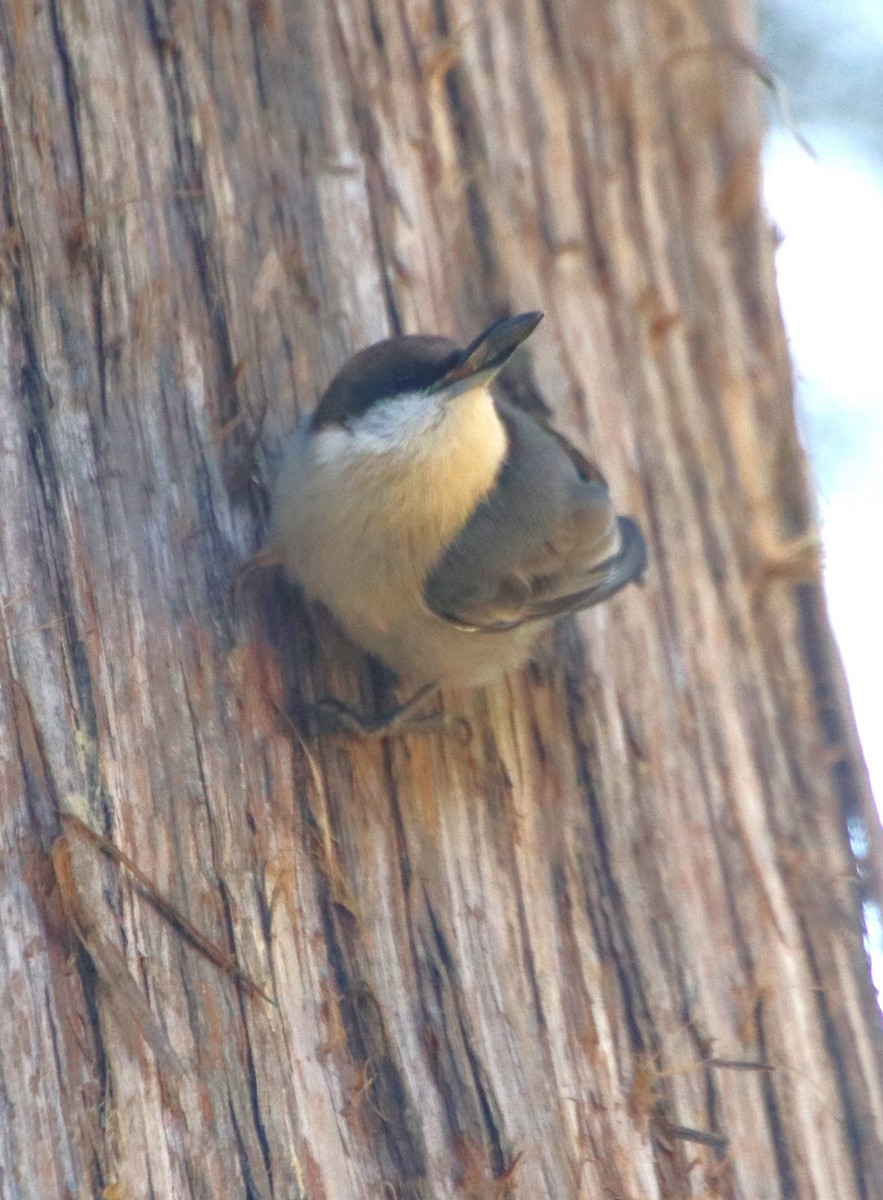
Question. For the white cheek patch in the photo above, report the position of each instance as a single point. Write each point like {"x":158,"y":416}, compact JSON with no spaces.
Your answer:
{"x":400,"y":424}
{"x":461,"y":437}
{"x":333,"y":446}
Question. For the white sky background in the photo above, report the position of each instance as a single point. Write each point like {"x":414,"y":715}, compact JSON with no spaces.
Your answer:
{"x":830,"y":274}
{"x":829,"y":54}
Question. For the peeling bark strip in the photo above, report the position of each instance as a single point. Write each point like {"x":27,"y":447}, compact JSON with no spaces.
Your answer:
{"x":612,"y":945}
{"x":184,"y":927}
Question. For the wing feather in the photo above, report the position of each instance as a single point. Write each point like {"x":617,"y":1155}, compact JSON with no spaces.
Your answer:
{"x":546,"y":541}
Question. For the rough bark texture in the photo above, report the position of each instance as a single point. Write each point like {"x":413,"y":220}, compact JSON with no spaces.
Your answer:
{"x":504,"y":967}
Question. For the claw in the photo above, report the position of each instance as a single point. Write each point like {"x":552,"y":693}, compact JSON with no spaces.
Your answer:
{"x":333,"y":718}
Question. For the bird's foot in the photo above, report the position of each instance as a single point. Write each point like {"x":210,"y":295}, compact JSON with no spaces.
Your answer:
{"x":333,"y":718}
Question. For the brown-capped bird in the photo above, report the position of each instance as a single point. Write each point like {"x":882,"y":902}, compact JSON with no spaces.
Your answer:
{"x":442,"y":527}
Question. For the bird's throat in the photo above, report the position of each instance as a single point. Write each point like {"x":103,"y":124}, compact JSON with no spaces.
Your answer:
{"x":453,"y":466}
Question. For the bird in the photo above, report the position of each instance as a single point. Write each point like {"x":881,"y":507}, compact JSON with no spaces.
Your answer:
{"x":443,"y":527}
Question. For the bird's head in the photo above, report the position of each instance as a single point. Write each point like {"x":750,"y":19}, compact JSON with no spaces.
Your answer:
{"x":400,"y":389}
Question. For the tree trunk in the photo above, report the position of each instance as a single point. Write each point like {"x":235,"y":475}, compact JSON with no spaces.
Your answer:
{"x":610,"y":945}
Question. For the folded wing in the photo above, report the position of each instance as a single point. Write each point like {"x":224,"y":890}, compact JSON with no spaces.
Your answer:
{"x":546,"y":541}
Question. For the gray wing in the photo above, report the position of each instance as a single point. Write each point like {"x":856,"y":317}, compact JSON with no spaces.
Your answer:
{"x":545,"y":541}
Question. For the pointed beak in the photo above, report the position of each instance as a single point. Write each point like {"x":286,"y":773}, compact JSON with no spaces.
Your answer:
{"x":480,"y":361}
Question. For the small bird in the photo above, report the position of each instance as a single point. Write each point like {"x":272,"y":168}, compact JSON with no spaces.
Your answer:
{"x":442,"y":527}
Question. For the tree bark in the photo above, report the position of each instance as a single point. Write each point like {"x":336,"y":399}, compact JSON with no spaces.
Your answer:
{"x":610,"y":945}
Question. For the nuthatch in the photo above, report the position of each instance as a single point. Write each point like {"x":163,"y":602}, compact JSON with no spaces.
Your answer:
{"x":442,"y":527}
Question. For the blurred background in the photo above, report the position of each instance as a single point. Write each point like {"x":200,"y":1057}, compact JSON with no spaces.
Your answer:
{"x":828,"y":56}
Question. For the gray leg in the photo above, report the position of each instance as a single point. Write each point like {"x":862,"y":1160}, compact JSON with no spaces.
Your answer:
{"x":333,"y":717}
